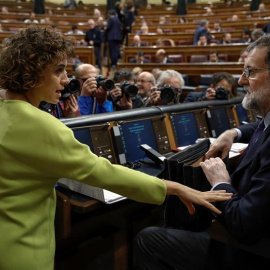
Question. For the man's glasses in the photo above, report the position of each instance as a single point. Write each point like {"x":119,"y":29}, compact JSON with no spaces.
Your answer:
{"x":143,"y":81}
{"x":250,"y":72}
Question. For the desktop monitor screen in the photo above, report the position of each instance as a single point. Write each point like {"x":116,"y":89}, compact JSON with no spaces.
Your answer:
{"x":242,"y":114}
{"x":185,"y":128}
{"x":218,"y":121}
{"x":83,"y":135}
{"x":135,"y":133}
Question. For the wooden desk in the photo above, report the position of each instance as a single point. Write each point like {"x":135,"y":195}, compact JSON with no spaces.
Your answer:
{"x":176,"y":37}
{"x":249,"y":23}
{"x":233,"y":51}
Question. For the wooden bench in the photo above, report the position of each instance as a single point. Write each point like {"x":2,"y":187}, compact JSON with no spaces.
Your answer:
{"x":233,"y":51}
{"x":182,"y":37}
{"x":173,"y":27}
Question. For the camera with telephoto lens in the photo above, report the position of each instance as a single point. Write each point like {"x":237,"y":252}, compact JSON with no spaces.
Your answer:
{"x":130,"y":90}
{"x":222,"y":93}
{"x":106,"y":84}
{"x":168,"y":93}
{"x":71,"y":88}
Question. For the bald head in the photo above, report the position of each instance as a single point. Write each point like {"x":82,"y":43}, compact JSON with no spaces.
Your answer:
{"x":86,"y":71}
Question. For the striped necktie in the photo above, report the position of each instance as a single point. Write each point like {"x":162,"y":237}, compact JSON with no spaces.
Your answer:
{"x":258,"y":131}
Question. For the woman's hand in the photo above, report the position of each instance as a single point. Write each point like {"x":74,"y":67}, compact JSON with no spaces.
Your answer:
{"x":189,"y":196}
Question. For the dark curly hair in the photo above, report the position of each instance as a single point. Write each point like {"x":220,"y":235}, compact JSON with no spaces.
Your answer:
{"x":217,"y":77}
{"x":26,"y":55}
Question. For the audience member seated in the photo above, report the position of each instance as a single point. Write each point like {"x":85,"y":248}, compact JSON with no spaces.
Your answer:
{"x":55,"y":28}
{"x":243,"y":56}
{"x":217,"y":27}
{"x":146,"y":83}
{"x":144,"y":29}
{"x":219,"y":79}
{"x":234,"y":18}
{"x":159,"y":30}
{"x":202,"y":41}
{"x":162,"y":20}
{"x":208,"y":12}
{"x":1,"y":28}
{"x":167,"y":79}
{"x":202,"y":29}
{"x":4,"y":10}
{"x":213,"y":57}
{"x":75,"y":31}
{"x":96,"y":13}
{"x":139,"y":58}
{"x":121,"y":100}
{"x":93,"y":98}
{"x":137,"y":42}
{"x":262,"y":8}
{"x":226,"y":39}
{"x":162,"y":58}
{"x":246,"y":36}
{"x":256,"y":34}
{"x":32,"y":18}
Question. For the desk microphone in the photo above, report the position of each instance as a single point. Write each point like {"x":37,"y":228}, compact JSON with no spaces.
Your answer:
{"x":153,"y":154}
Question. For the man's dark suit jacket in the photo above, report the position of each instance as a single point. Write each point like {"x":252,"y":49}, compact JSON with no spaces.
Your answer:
{"x":168,"y":60}
{"x":194,"y":96}
{"x":246,"y":215}
{"x":134,"y":60}
{"x":114,"y":29}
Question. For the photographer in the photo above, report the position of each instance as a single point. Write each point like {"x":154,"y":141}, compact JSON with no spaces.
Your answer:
{"x":171,"y":81}
{"x":121,"y":99}
{"x":223,"y":86}
{"x":67,"y":105}
{"x":93,"y":98}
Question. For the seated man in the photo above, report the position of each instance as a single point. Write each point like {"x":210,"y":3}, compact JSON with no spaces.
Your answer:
{"x":169,"y":82}
{"x":219,"y":79}
{"x":226,"y":39}
{"x":202,"y":41}
{"x":137,"y":42}
{"x":93,"y":98}
{"x":139,"y":58}
{"x":213,"y":57}
{"x":162,"y":58}
{"x":246,"y":214}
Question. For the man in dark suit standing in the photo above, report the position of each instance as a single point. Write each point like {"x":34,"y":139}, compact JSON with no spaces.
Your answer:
{"x":114,"y":36}
{"x":93,"y":38}
{"x":162,"y":57}
{"x":246,"y":215}
{"x":202,"y":30}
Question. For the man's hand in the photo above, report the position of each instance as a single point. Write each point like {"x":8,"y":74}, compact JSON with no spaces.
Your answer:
{"x":89,"y":87}
{"x":210,"y":94}
{"x":215,"y":171}
{"x":101,"y":95}
{"x":222,"y":144}
{"x":71,"y":106}
{"x":155,"y":98}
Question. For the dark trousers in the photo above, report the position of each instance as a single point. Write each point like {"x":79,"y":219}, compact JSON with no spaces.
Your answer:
{"x":114,"y":51}
{"x":161,"y":248}
{"x":169,"y":249}
{"x":98,"y":57}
